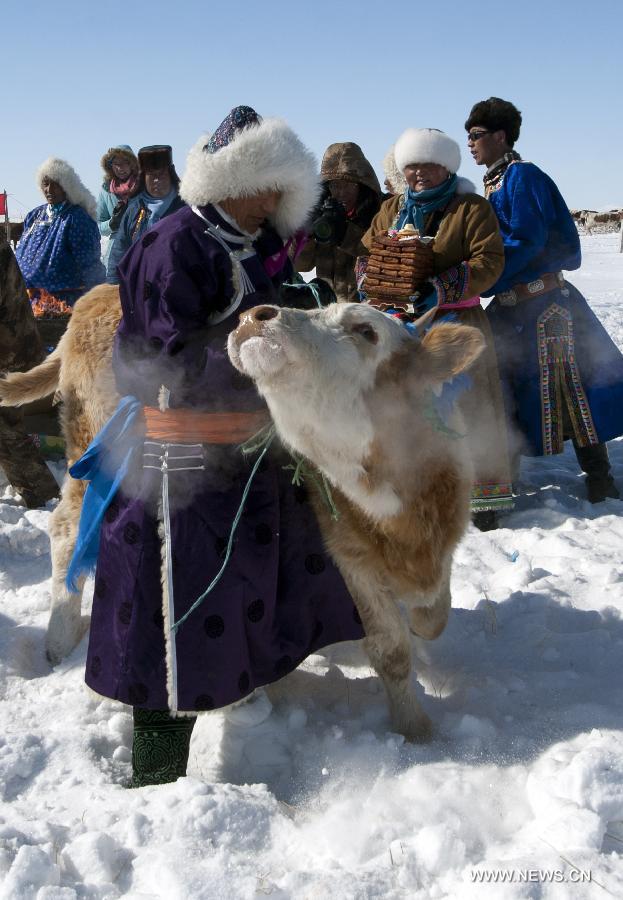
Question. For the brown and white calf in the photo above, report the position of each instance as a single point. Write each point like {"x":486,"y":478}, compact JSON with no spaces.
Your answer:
{"x":349,"y":389}
{"x":352,"y":391}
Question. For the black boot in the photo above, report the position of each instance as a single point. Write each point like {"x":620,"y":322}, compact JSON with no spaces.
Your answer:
{"x":160,"y":746}
{"x":599,"y":482}
{"x":485,"y":520}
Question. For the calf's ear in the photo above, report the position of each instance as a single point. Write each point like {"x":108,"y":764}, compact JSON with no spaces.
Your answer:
{"x":450,"y":349}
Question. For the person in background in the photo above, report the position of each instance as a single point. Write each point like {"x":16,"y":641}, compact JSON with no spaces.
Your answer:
{"x":468,"y":256}
{"x":120,"y":167}
{"x":562,"y":373}
{"x":59,"y":251}
{"x":157,"y":198}
{"x":351,"y":198}
{"x":20,"y":349}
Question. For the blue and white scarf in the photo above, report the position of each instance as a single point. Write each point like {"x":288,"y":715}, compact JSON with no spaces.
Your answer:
{"x":417,"y":204}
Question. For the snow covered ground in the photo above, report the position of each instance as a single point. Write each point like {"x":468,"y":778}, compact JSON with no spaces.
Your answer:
{"x":523,"y":781}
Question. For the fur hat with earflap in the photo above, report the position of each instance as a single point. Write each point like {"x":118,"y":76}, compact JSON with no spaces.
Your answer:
{"x":62,"y":173}
{"x":427,"y":145}
{"x":248,"y":155}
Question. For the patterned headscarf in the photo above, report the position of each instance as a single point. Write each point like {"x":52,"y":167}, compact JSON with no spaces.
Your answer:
{"x":240,"y":117}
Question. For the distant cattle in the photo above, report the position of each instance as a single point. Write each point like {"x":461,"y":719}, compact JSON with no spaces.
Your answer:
{"x":590,"y":221}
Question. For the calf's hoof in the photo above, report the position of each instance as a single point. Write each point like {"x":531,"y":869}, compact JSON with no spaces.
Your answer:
{"x":420,"y":732}
{"x":416,"y":727}
{"x":66,"y":629}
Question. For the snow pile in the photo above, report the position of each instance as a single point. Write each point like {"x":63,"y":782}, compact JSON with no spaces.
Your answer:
{"x":318,"y":798}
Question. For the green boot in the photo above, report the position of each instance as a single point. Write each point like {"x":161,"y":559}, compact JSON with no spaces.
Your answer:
{"x":160,"y":746}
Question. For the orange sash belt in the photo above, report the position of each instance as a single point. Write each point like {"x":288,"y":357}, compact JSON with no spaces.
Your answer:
{"x":185,"y":426}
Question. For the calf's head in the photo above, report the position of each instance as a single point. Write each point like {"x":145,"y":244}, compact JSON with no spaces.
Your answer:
{"x":348,"y":387}
{"x":344,"y":349}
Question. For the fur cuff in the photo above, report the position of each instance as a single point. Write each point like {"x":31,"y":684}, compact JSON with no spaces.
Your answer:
{"x":452,"y":286}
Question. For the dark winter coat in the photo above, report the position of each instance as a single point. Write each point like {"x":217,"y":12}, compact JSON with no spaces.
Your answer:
{"x":280,"y":597}
{"x":134,"y":223}
{"x":21,"y":349}
{"x":20,"y":345}
{"x":336,"y":264}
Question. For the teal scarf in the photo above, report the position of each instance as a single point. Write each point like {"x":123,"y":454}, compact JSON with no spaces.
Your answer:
{"x":417,"y":204}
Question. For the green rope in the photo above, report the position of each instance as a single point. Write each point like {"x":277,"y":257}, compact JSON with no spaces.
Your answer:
{"x":302,"y":471}
{"x":313,"y":288}
{"x":267,"y":441}
{"x":262,"y":441}
{"x":432,"y":415}
{"x":328,"y":497}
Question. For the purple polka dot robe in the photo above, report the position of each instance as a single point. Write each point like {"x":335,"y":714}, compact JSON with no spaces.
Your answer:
{"x":280,"y":597}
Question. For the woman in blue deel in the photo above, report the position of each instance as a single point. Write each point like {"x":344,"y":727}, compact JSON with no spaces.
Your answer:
{"x":59,"y":252}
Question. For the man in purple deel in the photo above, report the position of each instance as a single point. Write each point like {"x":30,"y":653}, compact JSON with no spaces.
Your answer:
{"x":164,"y":537}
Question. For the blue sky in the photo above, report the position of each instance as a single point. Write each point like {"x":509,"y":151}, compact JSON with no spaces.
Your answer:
{"x":79,"y":77}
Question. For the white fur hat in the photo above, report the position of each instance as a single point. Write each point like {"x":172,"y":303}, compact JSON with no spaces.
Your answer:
{"x":266,"y":155}
{"x":423,"y":145}
{"x":62,"y":173}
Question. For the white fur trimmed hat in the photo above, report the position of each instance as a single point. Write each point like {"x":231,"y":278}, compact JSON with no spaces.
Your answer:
{"x":62,"y":173}
{"x":427,"y":145}
{"x":253,"y":156}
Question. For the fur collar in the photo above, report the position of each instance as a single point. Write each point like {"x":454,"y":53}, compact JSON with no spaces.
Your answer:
{"x":465,"y":186}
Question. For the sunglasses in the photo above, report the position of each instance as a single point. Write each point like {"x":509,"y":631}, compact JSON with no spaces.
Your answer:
{"x":474,"y":136}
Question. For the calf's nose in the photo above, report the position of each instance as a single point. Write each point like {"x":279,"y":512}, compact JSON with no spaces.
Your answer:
{"x":252,"y":322}
{"x":263,"y":313}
